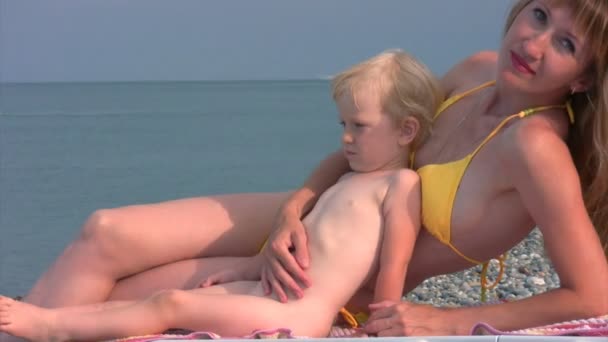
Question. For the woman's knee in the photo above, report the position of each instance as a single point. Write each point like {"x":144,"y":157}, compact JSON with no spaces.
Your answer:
{"x":104,"y":232}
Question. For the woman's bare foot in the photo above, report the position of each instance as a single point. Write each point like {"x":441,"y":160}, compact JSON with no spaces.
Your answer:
{"x":26,"y":321}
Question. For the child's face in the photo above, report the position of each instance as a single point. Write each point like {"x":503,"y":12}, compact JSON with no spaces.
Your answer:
{"x":371,"y":139}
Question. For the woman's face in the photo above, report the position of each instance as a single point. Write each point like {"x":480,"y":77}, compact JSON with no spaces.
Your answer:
{"x":543,"y":52}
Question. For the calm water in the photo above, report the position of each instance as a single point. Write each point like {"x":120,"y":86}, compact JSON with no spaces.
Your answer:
{"x":67,"y":149}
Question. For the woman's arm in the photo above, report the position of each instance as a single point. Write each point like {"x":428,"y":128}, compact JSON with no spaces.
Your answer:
{"x":539,"y":165}
{"x":325,"y":175}
{"x":248,"y":268}
{"x":286,"y":252}
{"x":543,"y":173}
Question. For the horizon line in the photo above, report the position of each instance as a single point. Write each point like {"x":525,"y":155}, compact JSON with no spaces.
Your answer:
{"x":324,"y":79}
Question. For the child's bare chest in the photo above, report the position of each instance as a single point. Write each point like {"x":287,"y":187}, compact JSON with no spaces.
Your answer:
{"x":348,"y":211}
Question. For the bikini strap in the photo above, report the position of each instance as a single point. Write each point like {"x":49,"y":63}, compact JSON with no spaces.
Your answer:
{"x":484,"y":272}
{"x":484,"y":277}
{"x":530,"y":111}
{"x":495,"y":131}
{"x":455,"y":98}
{"x":570,"y":111}
{"x":524,"y":113}
{"x":448,"y":102}
{"x":354,"y":320}
{"x":469,"y":259}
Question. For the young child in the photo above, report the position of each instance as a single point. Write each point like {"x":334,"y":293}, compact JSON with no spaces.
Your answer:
{"x":362,"y":229}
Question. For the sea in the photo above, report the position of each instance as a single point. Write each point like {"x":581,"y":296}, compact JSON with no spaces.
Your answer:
{"x":67,"y":149}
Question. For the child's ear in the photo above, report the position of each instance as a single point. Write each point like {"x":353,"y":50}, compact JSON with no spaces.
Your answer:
{"x":409,"y":130}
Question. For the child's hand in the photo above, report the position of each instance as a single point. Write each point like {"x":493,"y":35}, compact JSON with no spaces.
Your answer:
{"x":222,"y":277}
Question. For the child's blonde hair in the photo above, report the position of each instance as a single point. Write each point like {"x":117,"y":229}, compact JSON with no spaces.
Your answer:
{"x":405,"y":86}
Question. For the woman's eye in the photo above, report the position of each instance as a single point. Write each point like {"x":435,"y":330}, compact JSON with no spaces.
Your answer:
{"x":359,"y":125}
{"x":540,"y":15}
{"x":568,"y":45}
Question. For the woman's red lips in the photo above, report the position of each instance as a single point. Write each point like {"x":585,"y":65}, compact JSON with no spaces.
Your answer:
{"x":520,"y":64}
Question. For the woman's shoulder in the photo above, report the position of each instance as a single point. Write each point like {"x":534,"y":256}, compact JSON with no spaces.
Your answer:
{"x":539,"y":137}
{"x":470,"y":72}
{"x":551,"y":122}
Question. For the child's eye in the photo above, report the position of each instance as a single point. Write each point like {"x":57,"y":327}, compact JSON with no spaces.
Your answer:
{"x":540,"y":15}
{"x":359,"y":125}
{"x":342,"y":123}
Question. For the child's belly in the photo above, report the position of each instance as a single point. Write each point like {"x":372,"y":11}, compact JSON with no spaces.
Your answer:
{"x":344,"y":255}
{"x":344,"y":232}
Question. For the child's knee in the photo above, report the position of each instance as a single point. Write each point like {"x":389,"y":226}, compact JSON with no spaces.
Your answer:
{"x":169,"y":301}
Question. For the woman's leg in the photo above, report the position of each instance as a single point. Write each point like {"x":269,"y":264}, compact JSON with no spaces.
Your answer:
{"x":116,"y":244}
{"x":184,"y":275}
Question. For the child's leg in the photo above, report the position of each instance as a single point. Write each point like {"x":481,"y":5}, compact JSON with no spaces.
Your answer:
{"x":90,"y":322}
{"x":10,"y":315}
{"x":240,"y":311}
{"x":38,"y":324}
{"x":229,"y":315}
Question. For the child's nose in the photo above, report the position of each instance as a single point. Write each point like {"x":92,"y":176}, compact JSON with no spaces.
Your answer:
{"x":347,"y":138}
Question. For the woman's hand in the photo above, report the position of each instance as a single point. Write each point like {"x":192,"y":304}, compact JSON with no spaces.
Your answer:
{"x":286,"y":251}
{"x":341,"y":332}
{"x":286,"y":258}
{"x":406,"y":319}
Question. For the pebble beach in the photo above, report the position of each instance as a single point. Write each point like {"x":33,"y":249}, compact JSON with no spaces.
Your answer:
{"x":527,"y":272}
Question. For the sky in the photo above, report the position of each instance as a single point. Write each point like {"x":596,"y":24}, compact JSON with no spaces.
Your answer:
{"x":174,"y":40}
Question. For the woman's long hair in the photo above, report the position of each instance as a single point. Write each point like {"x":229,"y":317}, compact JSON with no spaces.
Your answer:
{"x":588,"y":139}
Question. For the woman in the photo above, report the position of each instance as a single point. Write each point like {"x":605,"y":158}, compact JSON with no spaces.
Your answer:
{"x":511,"y":173}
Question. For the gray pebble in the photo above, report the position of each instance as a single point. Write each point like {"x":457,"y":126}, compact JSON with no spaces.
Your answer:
{"x":527,"y":272}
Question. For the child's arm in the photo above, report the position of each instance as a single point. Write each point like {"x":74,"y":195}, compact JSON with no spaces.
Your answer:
{"x":249,"y":269}
{"x":401,"y":210}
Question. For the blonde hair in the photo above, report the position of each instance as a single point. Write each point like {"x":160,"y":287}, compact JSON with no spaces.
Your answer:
{"x":406,"y":87}
{"x":588,"y":139}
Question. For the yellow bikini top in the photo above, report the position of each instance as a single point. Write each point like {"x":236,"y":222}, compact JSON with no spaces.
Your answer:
{"x":440,"y":182}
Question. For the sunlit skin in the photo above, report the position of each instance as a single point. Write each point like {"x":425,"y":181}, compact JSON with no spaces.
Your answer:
{"x":522,"y":178}
{"x":370,"y":212}
{"x":371,"y":139}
